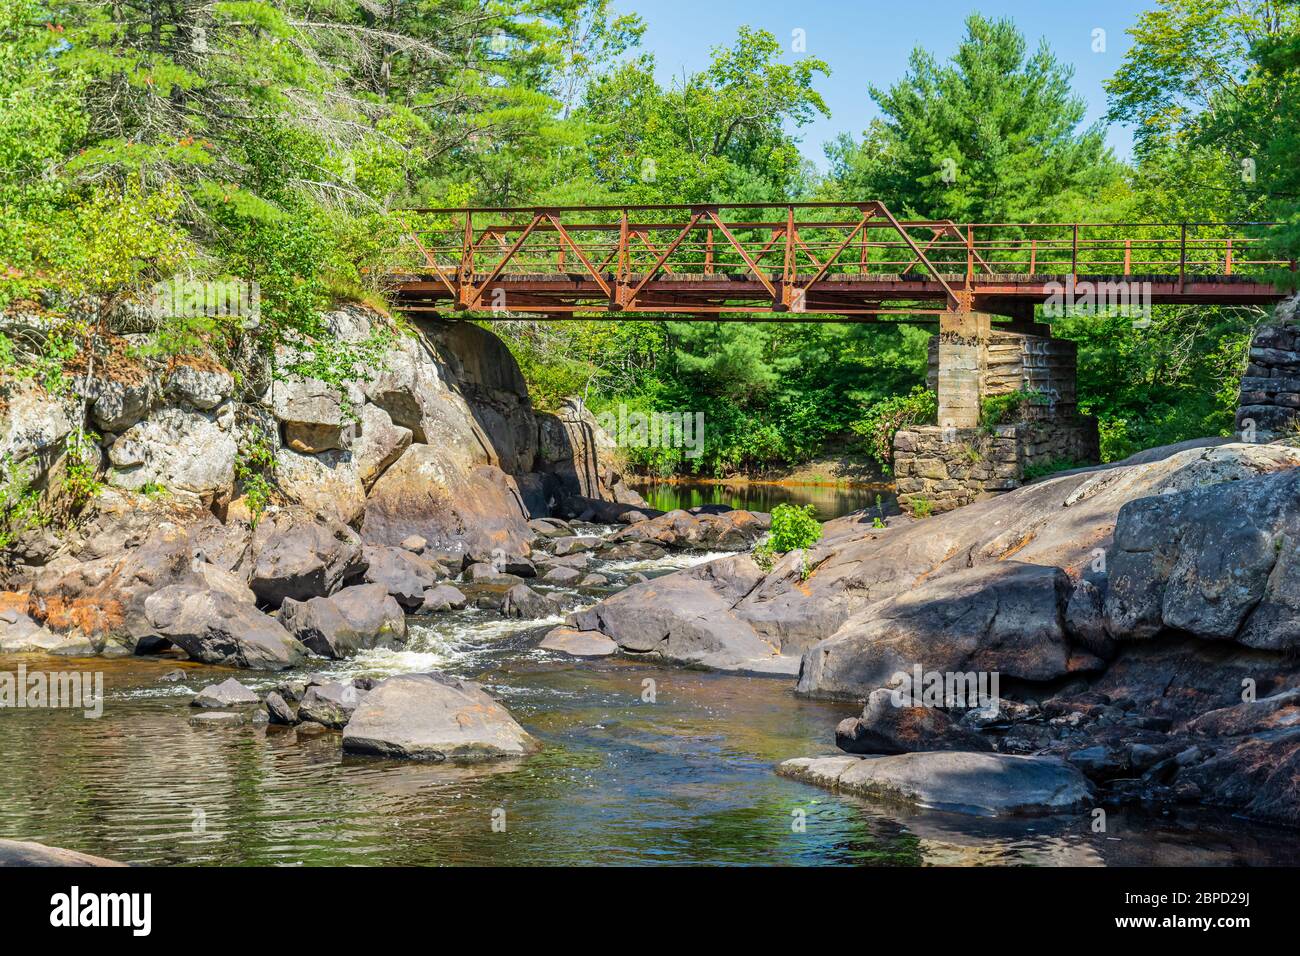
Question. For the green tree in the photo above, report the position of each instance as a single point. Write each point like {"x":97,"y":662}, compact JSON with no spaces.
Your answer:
{"x":1210,"y":87}
{"x":993,"y":135}
{"x":716,"y":135}
{"x":1205,"y":108}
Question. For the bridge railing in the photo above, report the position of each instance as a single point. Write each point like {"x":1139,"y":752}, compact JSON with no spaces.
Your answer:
{"x":630,"y":251}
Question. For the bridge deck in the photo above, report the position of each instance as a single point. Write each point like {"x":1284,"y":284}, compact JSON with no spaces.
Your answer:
{"x":815,"y":264}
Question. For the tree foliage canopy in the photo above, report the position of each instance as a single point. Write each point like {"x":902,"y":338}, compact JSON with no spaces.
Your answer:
{"x":280,"y":140}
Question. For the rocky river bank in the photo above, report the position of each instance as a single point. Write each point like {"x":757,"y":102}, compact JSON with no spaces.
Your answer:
{"x":1139,"y":618}
{"x":1131,"y":629}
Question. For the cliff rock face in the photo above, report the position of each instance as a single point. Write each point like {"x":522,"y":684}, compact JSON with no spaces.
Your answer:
{"x":579,"y":459}
{"x":437,"y":440}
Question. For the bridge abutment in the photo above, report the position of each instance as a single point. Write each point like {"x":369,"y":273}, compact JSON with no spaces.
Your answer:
{"x":1007,"y":413}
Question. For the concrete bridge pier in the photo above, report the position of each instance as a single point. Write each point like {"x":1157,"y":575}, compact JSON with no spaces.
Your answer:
{"x":961,"y":364}
{"x":966,"y":456}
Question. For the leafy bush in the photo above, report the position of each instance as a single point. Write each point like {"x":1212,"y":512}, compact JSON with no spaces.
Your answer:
{"x":255,"y":471}
{"x":996,"y":410}
{"x":80,"y":477}
{"x":879,"y":520}
{"x":888,"y":416}
{"x":794,"y":528}
{"x":19,"y":502}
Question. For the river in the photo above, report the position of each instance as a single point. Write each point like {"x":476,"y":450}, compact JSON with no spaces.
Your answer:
{"x":828,"y":500}
{"x":685,"y":778}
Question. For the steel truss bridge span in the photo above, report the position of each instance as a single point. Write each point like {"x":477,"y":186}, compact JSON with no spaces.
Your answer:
{"x":817,"y":261}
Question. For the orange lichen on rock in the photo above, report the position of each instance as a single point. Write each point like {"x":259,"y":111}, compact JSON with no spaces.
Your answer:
{"x":87,"y":615}
{"x":14,"y":601}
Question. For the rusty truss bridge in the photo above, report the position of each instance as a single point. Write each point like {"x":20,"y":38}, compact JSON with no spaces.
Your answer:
{"x":816,"y":261}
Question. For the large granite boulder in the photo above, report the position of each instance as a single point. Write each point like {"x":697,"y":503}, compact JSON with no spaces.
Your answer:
{"x":279,"y":711}
{"x":33,"y":426}
{"x":118,"y":402}
{"x":896,"y":724}
{"x":379,"y":444}
{"x":688,"y":618}
{"x":198,"y":383}
{"x":331,"y":704}
{"x":315,"y":416}
{"x":229,"y":693}
{"x":297,"y":554}
{"x":727,"y":531}
{"x":351,"y":620}
{"x":433,"y":717}
{"x":444,"y":597}
{"x":1004,"y":618}
{"x":414,"y":386}
{"x":181,"y":449}
{"x":214,"y":628}
{"x":129,"y":547}
{"x":404,"y":575}
{"x":1219,"y":562}
{"x":326,"y":483}
{"x":575,"y":544}
{"x":562,"y":576}
{"x":1063,"y":523}
{"x":458,"y":510}
{"x":523,"y":602}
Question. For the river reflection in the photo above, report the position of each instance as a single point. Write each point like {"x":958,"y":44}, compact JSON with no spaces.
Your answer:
{"x":685,"y":779}
{"x":829,"y":500}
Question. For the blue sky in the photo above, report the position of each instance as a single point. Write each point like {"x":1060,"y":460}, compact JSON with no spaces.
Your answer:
{"x":868,"y":41}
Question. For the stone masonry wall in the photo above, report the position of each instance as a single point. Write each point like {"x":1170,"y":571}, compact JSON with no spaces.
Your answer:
{"x":1269,"y":403}
{"x":938,"y":469}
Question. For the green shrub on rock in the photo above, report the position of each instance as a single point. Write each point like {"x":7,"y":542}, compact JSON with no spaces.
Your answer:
{"x":891,"y":415}
{"x":794,"y":528}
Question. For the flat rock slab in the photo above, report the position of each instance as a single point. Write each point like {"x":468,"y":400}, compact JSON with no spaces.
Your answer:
{"x":566,"y":640}
{"x":25,"y":853}
{"x":777,"y":665}
{"x":433,"y":717}
{"x":979,"y":783}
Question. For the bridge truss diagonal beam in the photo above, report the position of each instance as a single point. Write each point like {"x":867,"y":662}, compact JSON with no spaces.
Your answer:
{"x":854,"y":261}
